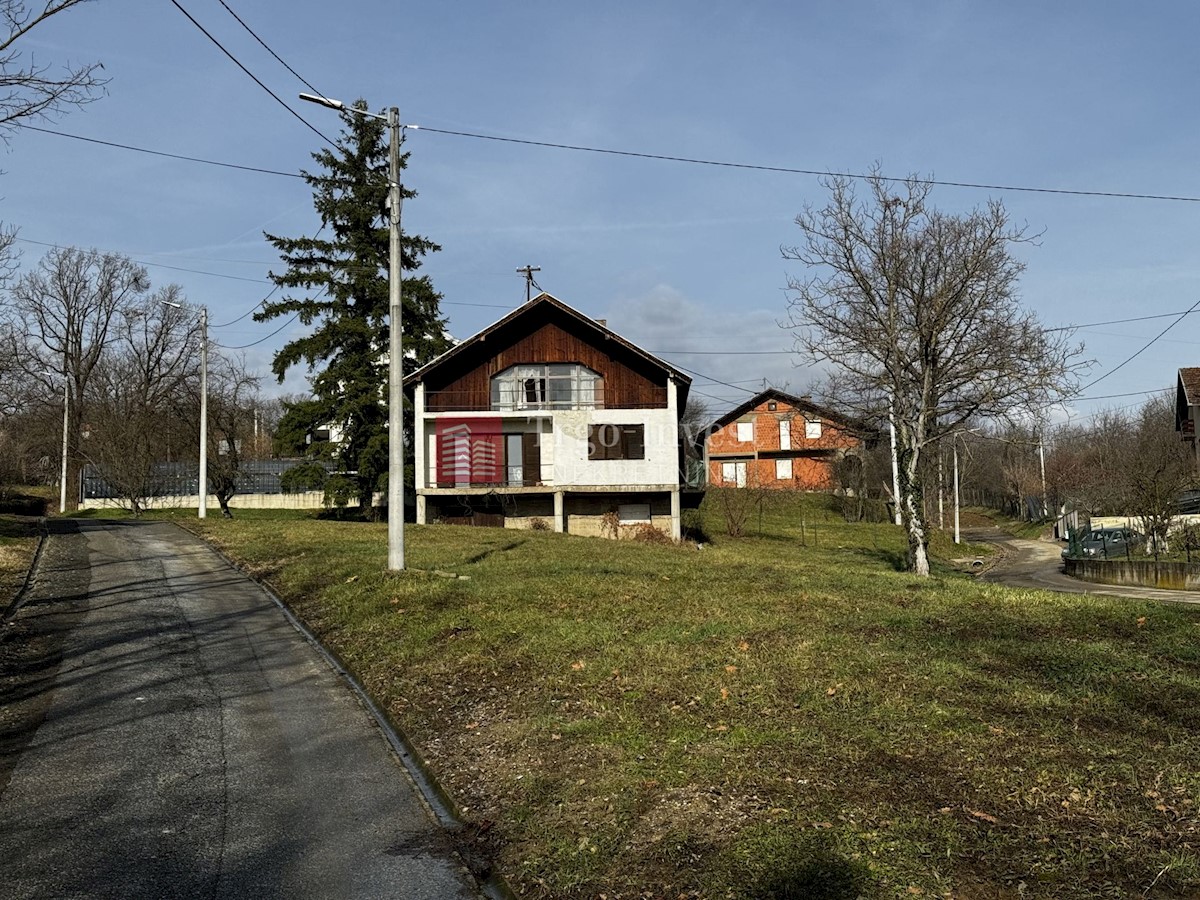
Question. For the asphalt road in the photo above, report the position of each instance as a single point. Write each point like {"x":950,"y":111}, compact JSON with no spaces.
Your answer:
{"x":194,"y":744}
{"x":1038,"y":564}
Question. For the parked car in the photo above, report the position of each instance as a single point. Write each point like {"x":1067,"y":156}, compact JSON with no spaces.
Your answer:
{"x":1102,"y":543}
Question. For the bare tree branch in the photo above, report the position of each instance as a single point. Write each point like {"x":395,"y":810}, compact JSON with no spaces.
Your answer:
{"x":917,"y":310}
{"x":30,"y":89}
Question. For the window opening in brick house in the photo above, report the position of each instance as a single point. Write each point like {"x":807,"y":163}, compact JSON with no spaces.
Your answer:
{"x":745,"y":432}
{"x":812,"y":429}
{"x":783,"y":470}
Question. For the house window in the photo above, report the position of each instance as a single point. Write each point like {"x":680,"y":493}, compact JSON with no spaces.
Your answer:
{"x":785,"y":434}
{"x":534,"y":392}
{"x":783,"y":470}
{"x":745,"y":432}
{"x":772,"y":406}
{"x":634,"y":513}
{"x":547,"y":386}
{"x":812,"y":429}
{"x":734,"y":473}
{"x":616,"y":442}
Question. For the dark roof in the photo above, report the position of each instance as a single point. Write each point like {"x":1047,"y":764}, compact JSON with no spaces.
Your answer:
{"x":804,"y":404}
{"x":1187,"y":393}
{"x":539,"y":307}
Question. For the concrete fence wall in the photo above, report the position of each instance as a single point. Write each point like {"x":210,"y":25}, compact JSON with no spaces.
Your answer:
{"x":299,"y":500}
{"x":1176,"y":576}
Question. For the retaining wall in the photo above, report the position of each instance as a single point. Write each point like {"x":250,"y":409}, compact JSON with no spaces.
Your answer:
{"x":1174,"y":576}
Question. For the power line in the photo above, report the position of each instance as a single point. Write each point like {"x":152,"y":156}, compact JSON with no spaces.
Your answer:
{"x":269,"y":336}
{"x":725,"y":352}
{"x":317,"y":296}
{"x":195,"y":159}
{"x":715,"y":380}
{"x":792,"y":171}
{"x":253,"y":77}
{"x":142,"y":262}
{"x":1129,"y":394}
{"x":1142,"y":350}
{"x":278,"y":58}
{"x":247,"y":312}
{"x":1120,"y":321}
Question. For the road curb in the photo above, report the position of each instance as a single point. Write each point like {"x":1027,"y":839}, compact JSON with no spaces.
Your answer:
{"x":436,"y":799}
{"x":14,"y":605}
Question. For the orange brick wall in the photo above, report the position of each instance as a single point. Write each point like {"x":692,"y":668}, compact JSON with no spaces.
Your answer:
{"x":808,"y":472}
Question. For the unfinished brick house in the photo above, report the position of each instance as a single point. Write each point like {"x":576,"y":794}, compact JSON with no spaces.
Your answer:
{"x":777,"y":440}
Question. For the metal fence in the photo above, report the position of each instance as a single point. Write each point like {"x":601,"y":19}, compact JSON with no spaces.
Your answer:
{"x":260,"y":476}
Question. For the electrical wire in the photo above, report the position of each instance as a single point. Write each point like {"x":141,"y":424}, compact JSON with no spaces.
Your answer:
{"x":715,"y":380}
{"x":268,"y":337}
{"x":195,"y":159}
{"x":278,"y":58}
{"x":1120,"y":321}
{"x":725,"y":352}
{"x":142,"y":262}
{"x":247,"y":312}
{"x":1142,"y":350}
{"x":252,"y":76}
{"x":793,"y":171}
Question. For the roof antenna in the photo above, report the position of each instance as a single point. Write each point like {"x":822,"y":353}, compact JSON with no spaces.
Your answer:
{"x":530,"y":284}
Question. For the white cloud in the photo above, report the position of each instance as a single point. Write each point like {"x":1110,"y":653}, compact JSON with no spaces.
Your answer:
{"x":728,"y":353}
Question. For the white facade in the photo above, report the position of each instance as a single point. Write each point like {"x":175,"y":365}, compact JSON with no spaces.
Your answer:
{"x":564,"y":444}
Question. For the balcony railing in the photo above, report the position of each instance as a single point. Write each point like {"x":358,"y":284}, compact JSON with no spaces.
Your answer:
{"x":473,"y":401}
{"x":507,"y":476}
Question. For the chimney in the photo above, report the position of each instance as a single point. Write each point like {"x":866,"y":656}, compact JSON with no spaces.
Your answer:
{"x":603,"y":323}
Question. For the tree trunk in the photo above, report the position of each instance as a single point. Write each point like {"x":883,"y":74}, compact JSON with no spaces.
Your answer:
{"x":912,"y":511}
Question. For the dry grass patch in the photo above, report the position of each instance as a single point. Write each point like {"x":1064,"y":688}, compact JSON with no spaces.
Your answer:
{"x":18,"y":541}
{"x":778,"y":716}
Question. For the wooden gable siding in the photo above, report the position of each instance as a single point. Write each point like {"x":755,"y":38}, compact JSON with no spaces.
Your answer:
{"x":624,"y":386}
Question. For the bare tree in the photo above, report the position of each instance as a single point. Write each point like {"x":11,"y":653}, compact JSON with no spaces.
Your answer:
{"x":1156,"y":468}
{"x":62,"y":316}
{"x":232,"y":406}
{"x":917,"y":311}
{"x":141,"y":390}
{"x":30,"y":89}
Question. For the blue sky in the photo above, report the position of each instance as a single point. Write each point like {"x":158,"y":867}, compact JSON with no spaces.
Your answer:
{"x":682,"y":259}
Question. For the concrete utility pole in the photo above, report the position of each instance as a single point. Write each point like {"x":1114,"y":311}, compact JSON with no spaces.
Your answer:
{"x":202,"y":512}
{"x":395,"y":330}
{"x":528,"y":271}
{"x":202,"y":480}
{"x":395,"y":355}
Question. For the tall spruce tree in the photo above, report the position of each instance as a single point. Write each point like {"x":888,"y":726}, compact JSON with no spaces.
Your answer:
{"x":338,"y":281}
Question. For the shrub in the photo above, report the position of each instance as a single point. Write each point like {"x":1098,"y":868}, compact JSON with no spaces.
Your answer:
{"x":538,"y":524}
{"x":610,"y":524}
{"x":647,"y":534}
{"x":339,"y":491}
{"x":304,"y":477}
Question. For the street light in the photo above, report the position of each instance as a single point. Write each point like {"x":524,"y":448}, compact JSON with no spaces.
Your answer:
{"x":202,"y":486}
{"x":395,"y":323}
{"x":62,"y":491}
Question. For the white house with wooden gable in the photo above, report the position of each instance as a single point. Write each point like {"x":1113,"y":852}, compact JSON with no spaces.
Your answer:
{"x":548,"y":416}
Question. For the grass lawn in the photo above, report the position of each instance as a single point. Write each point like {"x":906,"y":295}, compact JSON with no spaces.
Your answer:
{"x":18,"y":541}
{"x":776,"y":716}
